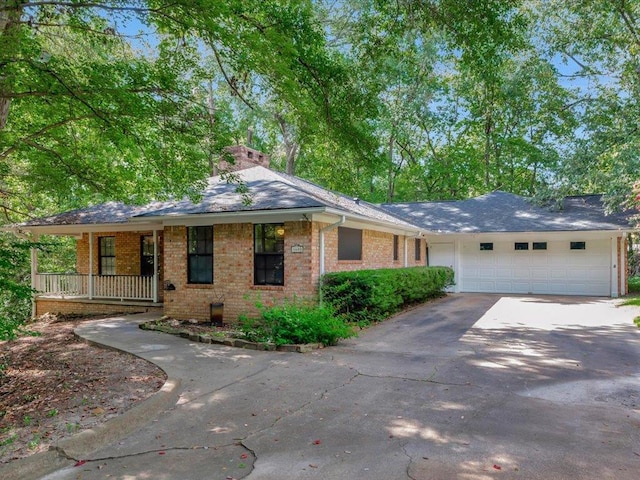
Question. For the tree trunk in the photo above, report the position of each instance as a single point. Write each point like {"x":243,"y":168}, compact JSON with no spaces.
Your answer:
{"x":392,"y":183}
{"x":291,"y":150}
{"x":8,"y":22}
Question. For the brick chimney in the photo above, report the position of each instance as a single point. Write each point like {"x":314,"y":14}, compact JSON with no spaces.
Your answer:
{"x":245,"y":157}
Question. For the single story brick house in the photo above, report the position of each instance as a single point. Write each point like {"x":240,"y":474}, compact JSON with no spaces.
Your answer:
{"x":180,"y":257}
{"x":503,"y":243}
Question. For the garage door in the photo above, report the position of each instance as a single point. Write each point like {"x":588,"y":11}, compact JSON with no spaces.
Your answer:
{"x":551,"y":268}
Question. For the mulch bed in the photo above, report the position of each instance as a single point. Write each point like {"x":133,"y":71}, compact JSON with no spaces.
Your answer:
{"x":54,"y":385}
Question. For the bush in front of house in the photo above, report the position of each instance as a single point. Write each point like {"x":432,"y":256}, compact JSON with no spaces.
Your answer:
{"x":634,"y":284}
{"x":295,"y":323}
{"x":366,"y":296}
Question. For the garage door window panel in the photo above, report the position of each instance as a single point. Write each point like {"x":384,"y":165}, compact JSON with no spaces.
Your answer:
{"x":521,"y":246}
{"x":578,"y":245}
{"x":539,"y":245}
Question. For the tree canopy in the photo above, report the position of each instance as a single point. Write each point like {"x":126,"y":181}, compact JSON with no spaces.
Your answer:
{"x":406,"y":100}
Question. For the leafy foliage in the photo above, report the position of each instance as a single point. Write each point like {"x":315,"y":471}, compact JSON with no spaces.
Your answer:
{"x":295,"y":323}
{"x":15,"y":295}
{"x":372,"y":295}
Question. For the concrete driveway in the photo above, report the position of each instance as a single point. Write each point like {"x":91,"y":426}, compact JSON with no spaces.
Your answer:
{"x":467,"y":387}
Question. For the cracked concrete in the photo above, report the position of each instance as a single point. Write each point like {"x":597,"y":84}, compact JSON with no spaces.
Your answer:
{"x":458,"y":388}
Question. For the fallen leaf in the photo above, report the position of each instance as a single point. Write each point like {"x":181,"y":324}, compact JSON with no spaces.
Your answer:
{"x":80,"y":463}
{"x":244,"y":455}
{"x":162,"y":453}
{"x":313,"y":465}
{"x":317,"y":442}
{"x":497,"y":467}
{"x":97,"y":411}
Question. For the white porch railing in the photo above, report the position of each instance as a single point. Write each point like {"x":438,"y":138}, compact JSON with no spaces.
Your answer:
{"x":121,"y":287}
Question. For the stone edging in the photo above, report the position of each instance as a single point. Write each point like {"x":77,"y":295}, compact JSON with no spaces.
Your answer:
{"x":231,"y":342}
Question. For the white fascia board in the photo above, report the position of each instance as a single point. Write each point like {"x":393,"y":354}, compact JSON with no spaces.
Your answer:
{"x":78,"y":230}
{"x":362,"y":222}
{"x":262,"y":216}
{"x":317,"y":214}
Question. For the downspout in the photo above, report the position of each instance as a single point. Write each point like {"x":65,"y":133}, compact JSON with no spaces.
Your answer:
{"x":342,"y":220}
{"x":406,"y":245}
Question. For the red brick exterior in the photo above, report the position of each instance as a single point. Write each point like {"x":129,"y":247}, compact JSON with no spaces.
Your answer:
{"x":233,"y":268}
{"x":86,"y":307}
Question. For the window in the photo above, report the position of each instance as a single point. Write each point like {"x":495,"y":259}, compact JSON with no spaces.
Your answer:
{"x":418,"y":249}
{"x":107,"y":263}
{"x":268,"y":254}
{"x":578,"y":246}
{"x":486,"y":246}
{"x":146,"y":256}
{"x":200,"y":254}
{"x":521,"y":246}
{"x":395,"y":247}
{"x":539,"y":245}
{"x":349,"y":244}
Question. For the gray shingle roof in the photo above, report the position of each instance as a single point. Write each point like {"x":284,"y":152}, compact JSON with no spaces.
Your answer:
{"x":505,"y":212}
{"x":268,"y":190}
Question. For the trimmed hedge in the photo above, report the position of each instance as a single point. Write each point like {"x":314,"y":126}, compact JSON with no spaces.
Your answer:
{"x":372,"y":295}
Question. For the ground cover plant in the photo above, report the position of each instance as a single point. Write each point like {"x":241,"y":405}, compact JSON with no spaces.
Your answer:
{"x":295,"y":323}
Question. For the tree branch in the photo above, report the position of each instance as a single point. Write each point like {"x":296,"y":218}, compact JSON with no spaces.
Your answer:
{"x":34,"y":135}
{"x":228,"y":80}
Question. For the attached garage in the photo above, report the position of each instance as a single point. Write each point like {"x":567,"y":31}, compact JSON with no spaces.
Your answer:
{"x":542,"y":266}
{"x":502,"y":243}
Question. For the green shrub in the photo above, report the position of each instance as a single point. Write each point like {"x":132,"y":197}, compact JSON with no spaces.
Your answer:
{"x":634,"y":285}
{"x":294,"y":323}
{"x":372,"y":295}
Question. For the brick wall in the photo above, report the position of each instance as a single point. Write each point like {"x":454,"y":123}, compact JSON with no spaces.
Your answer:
{"x":233,"y":272}
{"x":377,"y":252}
{"x":233,"y":266}
{"x":44,"y":305}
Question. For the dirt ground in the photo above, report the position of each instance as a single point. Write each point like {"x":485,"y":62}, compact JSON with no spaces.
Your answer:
{"x":53,"y":385}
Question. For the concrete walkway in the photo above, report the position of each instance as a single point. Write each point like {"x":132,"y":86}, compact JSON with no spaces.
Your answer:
{"x":467,"y":387}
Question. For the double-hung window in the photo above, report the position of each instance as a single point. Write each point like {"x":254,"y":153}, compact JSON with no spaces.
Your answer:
{"x":200,"y":254}
{"x":417,"y":243}
{"x":268,"y":254}
{"x":107,"y":247}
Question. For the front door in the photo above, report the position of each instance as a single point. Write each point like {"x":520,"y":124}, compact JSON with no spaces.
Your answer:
{"x":146,"y":256}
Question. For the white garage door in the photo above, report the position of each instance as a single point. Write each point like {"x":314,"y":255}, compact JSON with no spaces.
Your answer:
{"x":556,"y":270}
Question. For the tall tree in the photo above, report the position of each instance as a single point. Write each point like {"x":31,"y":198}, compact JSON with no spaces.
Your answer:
{"x":87,"y":110}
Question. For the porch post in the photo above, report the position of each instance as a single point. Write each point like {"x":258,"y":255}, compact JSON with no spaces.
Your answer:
{"x":154,"y":287}
{"x":35,"y":284}
{"x":90,"y":286}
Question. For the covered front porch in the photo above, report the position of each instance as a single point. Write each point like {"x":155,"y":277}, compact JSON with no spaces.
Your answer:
{"x":117,"y":270}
